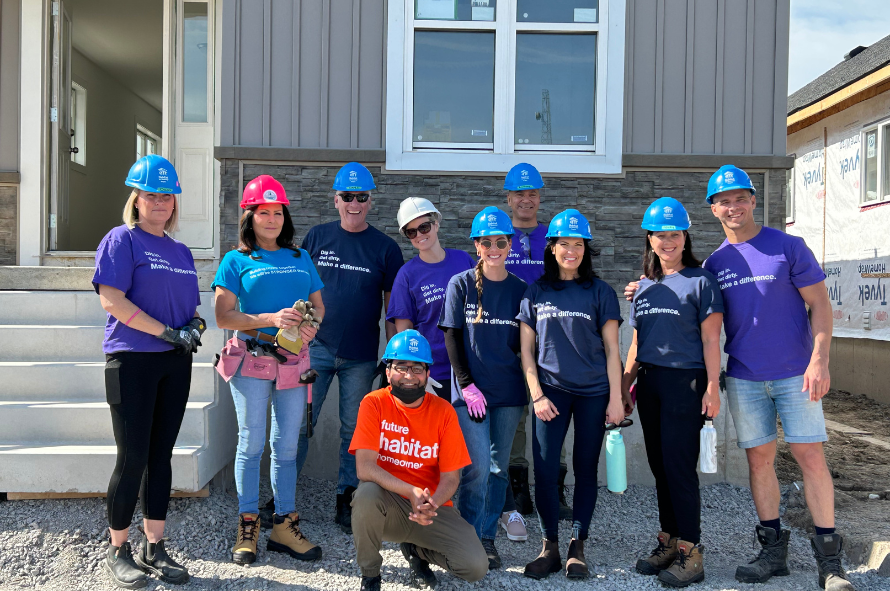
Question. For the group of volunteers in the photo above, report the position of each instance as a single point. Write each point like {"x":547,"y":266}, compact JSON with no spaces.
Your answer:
{"x":471,"y":344}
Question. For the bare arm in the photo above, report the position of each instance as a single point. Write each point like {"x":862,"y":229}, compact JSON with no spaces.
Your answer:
{"x":390,"y":327}
{"x":630,"y":375}
{"x":544,"y":408}
{"x":229,"y":317}
{"x":615,"y":410}
{"x":115,"y":302}
{"x":817,"y":379}
{"x":403,"y":324}
{"x":448,"y":482}
{"x":710,"y":338}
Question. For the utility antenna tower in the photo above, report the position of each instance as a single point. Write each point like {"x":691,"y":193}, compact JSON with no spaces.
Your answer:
{"x":546,"y":135}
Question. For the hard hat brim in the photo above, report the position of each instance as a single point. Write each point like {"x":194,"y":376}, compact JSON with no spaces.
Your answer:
{"x":147,"y":189}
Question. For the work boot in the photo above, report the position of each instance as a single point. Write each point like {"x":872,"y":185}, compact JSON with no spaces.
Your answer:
{"x":661,"y":558}
{"x":514,"y":525}
{"x":827,"y":550}
{"x":565,"y":512}
{"x":244,"y":551}
{"x":344,"y":510}
{"x":772,"y":561}
{"x":371,"y":583}
{"x":420,"y":568}
{"x":521,"y":495}
{"x":122,"y":568}
{"x":576,"y":564}
{"x":266,"y":512}
{"x":287,"y":538}
{"x":688,"y":568}
{"x":153,"y":559}
{"x":548,"y":561}
{"x":494,"y":559}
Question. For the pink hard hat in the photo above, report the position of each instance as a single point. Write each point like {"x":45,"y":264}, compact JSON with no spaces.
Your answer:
{"x":261,"y":190}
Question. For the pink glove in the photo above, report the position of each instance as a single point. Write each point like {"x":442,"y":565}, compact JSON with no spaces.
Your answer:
{"x":475,"y":402}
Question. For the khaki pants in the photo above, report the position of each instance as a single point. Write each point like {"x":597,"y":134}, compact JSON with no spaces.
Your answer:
{"x":450,"y":542}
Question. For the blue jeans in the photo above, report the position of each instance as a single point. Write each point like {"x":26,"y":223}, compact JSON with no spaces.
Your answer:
{"x":483,"y":484}
{"x":251,"y":396}
{"x":355,"y":382}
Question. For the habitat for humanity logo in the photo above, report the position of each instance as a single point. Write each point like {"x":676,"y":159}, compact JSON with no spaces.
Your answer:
{"x":729,"y":177}
{"x":573,"y":223}
{"x":523,"y":174}
{"x":668,"y":212}
{"x":353,"y":176}
{"x":269,"y":195}
{"x":413,"y":345}
{"x":162,"y":175}
{"x":492,"y":221}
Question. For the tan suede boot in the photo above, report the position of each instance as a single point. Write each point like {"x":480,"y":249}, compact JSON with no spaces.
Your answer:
{"x":687,"y":569}
{"x":576,"y":564}
{"x":548,"y":561}
{"x":244,"y":551}
{"x":662,"y":557}
{"x":286,"y":537}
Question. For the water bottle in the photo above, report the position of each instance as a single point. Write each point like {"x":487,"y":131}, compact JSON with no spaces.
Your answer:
{"x":616,"y":462}
{"x":707,"y":456}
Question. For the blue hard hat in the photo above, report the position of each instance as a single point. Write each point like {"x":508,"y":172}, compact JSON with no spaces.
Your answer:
{"x":408,"y":345}
{"x":665,"y":213}
{"x":727,"y":178}
{"x":522,"y":177}
{"x":569,"y":224}
{"x":491,"y":221}
{"x":354,"y":177}
{"x":154,"y":174}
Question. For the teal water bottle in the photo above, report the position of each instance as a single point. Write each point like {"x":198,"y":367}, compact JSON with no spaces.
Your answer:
{"x":616,"y":462}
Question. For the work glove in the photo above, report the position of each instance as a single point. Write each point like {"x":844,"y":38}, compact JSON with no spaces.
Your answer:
{"x":197,"y":327}
{"x":182,"y":340}
{"x":430,"y":384}
{"x":476,"y":402}
{"x":380,"y":371}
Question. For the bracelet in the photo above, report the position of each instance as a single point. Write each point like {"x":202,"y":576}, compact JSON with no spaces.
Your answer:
{"x":136,"y":313}
{"x":541,"y":397}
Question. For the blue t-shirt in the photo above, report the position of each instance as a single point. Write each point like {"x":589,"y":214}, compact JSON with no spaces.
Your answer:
{"x":272,"y":283}
{"x":528,"y":266}
{"x":157,"y":274}
{"x":356,"y":268}
{"x":419,"y":294}
{"x":668,"y":315}
{"x":768,"y":335}
{"x":492,"y":344}
{"x":568,"y":319}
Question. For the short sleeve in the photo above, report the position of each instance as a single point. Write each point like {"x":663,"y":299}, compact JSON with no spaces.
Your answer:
{"x":455,"y":300}
{"x":453,"y":454}
{"x":607,"y":305}
{"x":114,"y":263}
{"x":527,"y":314}
{"x":315,"y":282}
{"x":632,"y":319}
{"x":228,"y":275}
{"x":401,"y":304}
{"x":710,"y":298}
{"x":805,"y":271}
{"x":367,"y":426}
{"x":309,"y":241}
{"x":393,"y":263}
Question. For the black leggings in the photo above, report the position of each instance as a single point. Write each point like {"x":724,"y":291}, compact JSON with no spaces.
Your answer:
{"x":147,"y":393}
{"x":669,"y":402}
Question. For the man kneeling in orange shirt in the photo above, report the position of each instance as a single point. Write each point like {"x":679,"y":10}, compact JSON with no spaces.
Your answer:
{"x":409,"y":451}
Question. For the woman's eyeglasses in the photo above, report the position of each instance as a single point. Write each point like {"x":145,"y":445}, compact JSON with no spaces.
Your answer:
{"x":348,"y":197}
{"x":501,"y":243}
{"x":424,"y":228}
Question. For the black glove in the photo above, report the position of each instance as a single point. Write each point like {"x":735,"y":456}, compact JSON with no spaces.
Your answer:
{"x":380,"y":371}
{"x":197,"y":327}
{"x":182,"y":340}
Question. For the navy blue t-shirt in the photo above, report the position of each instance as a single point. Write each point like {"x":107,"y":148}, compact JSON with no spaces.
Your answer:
{"x":568,"y":318}
{"x":492,"y":344}
{"x":356,"y":269}
{"x":668,"y":315}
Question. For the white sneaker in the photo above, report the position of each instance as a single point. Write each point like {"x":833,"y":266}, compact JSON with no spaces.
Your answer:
{"x":514,"y":525}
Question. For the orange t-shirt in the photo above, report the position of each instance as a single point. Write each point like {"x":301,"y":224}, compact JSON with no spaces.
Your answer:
{"x":414,"y":444}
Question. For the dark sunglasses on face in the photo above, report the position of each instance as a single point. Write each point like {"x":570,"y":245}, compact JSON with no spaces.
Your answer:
{"x":424,"y":228}
{"x":501,"y":243}
{"x":348,"y":197}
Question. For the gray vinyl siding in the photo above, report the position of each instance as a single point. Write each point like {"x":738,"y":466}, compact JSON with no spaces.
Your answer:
{"x":9,"y":85}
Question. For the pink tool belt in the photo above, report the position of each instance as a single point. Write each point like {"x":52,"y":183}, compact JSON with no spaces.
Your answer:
{"x":286,"y":375}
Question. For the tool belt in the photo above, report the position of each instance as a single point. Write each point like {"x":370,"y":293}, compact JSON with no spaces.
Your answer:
{"x":237,"y":353}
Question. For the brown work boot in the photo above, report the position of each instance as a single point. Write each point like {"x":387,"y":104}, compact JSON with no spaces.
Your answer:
{"x":548,"y":561}
{"x":244,"y":551}
{"x":286,"y":537}
{"x":687,"y":569}
{"x":662,"y":557}
{"x":576,"y":564}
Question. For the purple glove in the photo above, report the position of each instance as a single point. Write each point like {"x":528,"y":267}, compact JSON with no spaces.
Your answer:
{"x":475,"y":402}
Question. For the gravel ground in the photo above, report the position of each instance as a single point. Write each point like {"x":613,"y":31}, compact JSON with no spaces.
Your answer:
{"x":57,"y":544}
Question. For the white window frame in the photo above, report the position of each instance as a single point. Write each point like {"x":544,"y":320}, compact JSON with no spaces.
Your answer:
{"x":789,"y":184}
{"x":883,"y":187}
{"x":604,"y":157}
{"x":79,"y":123}
{"x":142,"y":133}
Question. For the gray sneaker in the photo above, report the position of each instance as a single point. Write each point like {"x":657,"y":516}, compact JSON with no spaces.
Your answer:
{"x":514,"y":525}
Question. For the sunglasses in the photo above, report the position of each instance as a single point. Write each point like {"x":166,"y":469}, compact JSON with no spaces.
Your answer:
{"x":625,"y":423}
{"x":424,"y":228}
{"x":501,"y":243}
{"x":348,"y":197}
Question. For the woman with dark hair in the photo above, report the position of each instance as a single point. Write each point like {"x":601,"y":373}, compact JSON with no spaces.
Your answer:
{"x":675,"y":358}
{"x":256,"y":287}
{"x":569,"y":333}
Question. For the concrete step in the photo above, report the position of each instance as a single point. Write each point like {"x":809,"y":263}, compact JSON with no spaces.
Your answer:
{"x":51,"y":307}
{"x":80,"y":423}
{"x":80,"y":381}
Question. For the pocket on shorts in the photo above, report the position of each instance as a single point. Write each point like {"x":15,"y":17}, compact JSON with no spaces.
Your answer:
{"x":113,"y":381}
{"x":263,"y":368}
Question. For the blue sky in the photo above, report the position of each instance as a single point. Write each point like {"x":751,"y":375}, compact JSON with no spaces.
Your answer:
{"x":822,"y":31}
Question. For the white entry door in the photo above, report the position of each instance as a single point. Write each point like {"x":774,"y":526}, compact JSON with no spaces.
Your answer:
{"x":192,"y":118}
{"x":60,"y":128}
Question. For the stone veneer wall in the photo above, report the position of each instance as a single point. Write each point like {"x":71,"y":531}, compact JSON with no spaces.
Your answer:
{"x":8,"y":224}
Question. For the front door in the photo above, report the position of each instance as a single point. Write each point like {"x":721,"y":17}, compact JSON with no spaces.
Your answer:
{"x":60,"y":127}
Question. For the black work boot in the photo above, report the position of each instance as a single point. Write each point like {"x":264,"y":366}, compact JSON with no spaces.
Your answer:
{"x":772,"y":561}
{"x":266,"y":513}
{"x":565,"y":512}
{"x":827,"y":550}
{"x":122,"y":569}
{"x":494,"y":559}
{"x":344,"y":510}
{"x":420,"y":568}
{"x":370,"y":583}
{"x":521,"y":495}
{"x":153,"y":559}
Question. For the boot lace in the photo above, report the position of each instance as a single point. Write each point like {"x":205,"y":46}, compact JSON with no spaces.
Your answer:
{"x":294,"y":527}
{"x":660,"y":550}
{"x":248,"y":530}
{"x":830,"y":565}
{"x":681,"y":558}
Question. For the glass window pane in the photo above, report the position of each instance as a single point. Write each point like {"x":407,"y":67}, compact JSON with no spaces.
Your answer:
{"x":455,"y":10}
{"x":557,"y":11}
{"x":555,"y":78}
{"x":194,"y":63}
{"x":885,"y":156}
{"x":139,"y":150}
{"x":871,"y":166}
{"x":453,"y":87}
{"x":150,"y":147}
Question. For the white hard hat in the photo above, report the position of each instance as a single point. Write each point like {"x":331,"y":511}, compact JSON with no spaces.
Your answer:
{"x":413,"y":208}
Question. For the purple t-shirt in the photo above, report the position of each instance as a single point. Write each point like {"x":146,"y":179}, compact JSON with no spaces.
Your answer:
{"x":418,"y":295}
{"x":768,"y":335}
{"x":157,"y":274}
{"x":527,"y":263}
